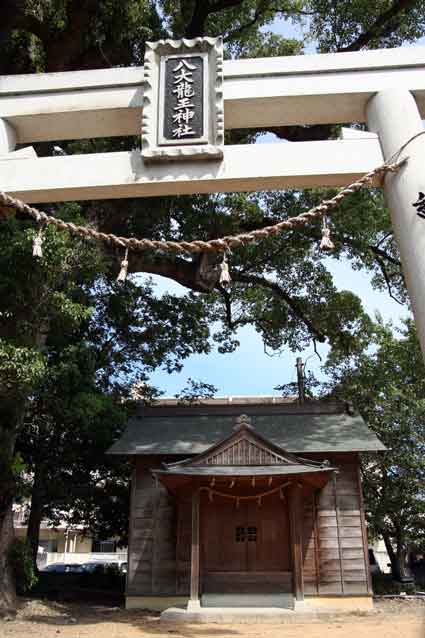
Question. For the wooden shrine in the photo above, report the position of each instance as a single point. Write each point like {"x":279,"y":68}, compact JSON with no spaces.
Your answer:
{"x":248,"y":496}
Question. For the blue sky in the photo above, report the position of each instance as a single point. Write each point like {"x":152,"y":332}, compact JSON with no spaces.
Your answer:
{"x":249,"y":370}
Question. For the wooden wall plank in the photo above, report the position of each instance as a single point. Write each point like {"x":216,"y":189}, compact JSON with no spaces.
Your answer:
{"x":295,"y":521}
{"x":339,"y":530}
{"x":364,"y":532}
{"x":310,"y":549}
{"x":152,"y":537}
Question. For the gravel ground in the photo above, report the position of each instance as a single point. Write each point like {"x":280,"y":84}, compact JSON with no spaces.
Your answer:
{"x":35,"y":618}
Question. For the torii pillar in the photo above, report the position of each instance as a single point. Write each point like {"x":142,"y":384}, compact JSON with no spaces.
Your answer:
{"x":393,"y":114}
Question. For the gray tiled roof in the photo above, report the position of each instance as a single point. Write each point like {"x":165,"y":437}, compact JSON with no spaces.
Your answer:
{"x":242,"y":470}
{"x":307,"y":428}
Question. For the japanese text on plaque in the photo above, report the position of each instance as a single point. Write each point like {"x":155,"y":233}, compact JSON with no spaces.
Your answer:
{"x":183,"y":99}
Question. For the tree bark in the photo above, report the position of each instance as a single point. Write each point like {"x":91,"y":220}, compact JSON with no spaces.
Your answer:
{"x":404,"y":571}
{"x":391,"y":553}
{"x":11,"y":414}
{"x":201,"y":11}
{"x":36,"y":513}
{"x":399,"y":569}
{"x":7,"y":581}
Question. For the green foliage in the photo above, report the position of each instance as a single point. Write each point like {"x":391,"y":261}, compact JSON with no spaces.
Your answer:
{"x":20,"y":368}
{"x":311,"y":386}
{"x":19,"y":556}
{"x":195,"y":391}
{"x":386,"y":383}
{"x":285,"y":287}
{"x":88,"y":341}
{"x":337,"y":25}
{"x":73,"y":343}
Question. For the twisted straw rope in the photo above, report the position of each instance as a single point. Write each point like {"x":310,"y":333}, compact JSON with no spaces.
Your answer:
{"x":213,"y":245}
{"x":279,"y":488}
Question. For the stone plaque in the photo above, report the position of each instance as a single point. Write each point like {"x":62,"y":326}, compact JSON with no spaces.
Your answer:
{"x":183,"y":100}
{"x":183,"y":106}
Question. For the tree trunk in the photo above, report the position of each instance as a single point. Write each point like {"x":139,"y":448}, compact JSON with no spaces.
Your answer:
{"x":390,"y":551}
{"x":398,"y":558}
{"x":7,"y":582}
{"x":11,"y":415}
{"x":36,"y":512}
{"x":404,"y":572}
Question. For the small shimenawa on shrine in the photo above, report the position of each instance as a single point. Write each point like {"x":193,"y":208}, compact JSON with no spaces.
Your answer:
{"x":247,"y":496}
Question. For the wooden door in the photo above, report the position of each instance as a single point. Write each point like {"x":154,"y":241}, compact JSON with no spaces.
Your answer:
{"x":245,"y":549}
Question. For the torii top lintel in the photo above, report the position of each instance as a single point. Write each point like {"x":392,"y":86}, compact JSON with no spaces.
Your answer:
{"x":265,"y":92}
{"x":305,"y":89}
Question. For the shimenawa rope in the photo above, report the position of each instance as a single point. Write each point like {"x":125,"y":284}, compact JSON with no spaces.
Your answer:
{"x":197,"y":246}
{"x":222,"y":244}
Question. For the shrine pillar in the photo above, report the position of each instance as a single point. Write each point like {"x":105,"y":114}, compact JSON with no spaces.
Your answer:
{"x":295,"y":521}
{"x":393,"y":114}
{"x":7,"y":137}
{"x":194,"y":601}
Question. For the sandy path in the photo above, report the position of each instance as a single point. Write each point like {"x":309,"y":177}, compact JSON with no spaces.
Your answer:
{"x":47,"y":620}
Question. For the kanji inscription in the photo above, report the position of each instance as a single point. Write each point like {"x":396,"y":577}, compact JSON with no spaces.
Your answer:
{"x":420,"y":205}
{"x":183,"y":98}
{"x":183,"y":115}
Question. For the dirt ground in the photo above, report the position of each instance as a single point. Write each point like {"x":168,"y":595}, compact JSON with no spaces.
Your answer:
{"x":393,"y":619}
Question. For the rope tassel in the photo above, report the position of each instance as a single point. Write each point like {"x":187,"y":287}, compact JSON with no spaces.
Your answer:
{"x":122,"y":275}
{"x":224,"y":277}
{"x":37,"y":244}
{"x":222,"y":243}
{"x":326,"y":243}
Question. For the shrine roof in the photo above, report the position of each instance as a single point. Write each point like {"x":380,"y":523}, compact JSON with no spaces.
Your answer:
{"x":242,"y":470}
{"x":171,"y":428}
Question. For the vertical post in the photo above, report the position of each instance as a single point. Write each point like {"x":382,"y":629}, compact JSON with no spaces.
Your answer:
{"x":316,"y":543}
{"x":296,"y":540}
{"x":338,"y":532}
{"x":131,"y":544}
{"x":194,"y":604}
{"x":7,"y":137}
{"x":300,"y":380}
{"x":394,"y":116}
{"x":364,"y":530}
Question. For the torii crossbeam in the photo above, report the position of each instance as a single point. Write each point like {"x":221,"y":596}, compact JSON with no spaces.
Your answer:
{"x":385,"y":89}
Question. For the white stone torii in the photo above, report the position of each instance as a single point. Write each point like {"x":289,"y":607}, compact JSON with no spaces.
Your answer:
{"x":385,"y":89}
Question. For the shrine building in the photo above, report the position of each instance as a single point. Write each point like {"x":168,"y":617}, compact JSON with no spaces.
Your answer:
{"x":255,"y":497}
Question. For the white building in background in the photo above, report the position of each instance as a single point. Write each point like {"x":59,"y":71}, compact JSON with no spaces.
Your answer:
{"x":381,"y":556}
{"x":63,"y":544}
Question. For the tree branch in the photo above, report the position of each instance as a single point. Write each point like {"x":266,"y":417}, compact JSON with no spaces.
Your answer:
{"x":69,"y":44}
{"x":293,"y":305}
{"x":227,"y":305}
{"x":180,"y":270}
{"x":219,"y":5}
{"x":15,"y":16}
{"x":185,"y":273}
{"x":387,"y":280}
{"x":201,"y":11}
{"x":379,"y":252}
{"x":384,"y":25}
{"x":385,"y":255}
{"x":313,"y":133}
{"x":384,"y":238}
{"x":243,"y":27}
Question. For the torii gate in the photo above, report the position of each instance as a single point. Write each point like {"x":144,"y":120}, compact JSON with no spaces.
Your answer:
{"x":384,"y":88}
